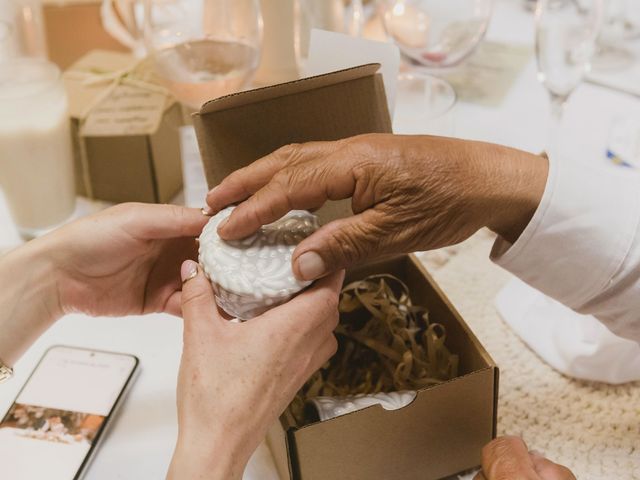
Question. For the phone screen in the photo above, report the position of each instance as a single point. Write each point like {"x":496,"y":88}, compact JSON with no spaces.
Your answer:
{"x":60,"y":413}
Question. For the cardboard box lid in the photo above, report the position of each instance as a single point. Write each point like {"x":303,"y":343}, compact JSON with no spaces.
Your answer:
{"x":293,"y":87}
{"x":237,"y":129}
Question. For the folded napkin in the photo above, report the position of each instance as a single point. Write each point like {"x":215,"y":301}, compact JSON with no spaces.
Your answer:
{"x":576,"y":345}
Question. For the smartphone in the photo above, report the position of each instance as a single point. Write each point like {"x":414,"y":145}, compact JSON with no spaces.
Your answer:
{"x":55,"y":424}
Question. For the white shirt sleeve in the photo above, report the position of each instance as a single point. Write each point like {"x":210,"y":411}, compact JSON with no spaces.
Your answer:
{"x":582,"y":246}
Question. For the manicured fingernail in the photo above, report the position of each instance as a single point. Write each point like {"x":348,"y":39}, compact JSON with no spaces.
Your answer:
{"x":188,"y":270}
{"x":311,"y":266}
{"x":207,"y":211}
{"x":223,"y":223}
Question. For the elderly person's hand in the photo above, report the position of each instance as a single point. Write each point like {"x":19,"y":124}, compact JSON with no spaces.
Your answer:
{"x":122,"y":261}
{"x":237,"y":378}
{"x":408,"y":193}
{"x":507,"y":458}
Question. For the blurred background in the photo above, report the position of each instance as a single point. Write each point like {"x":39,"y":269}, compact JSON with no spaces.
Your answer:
{"x":96,"y":98}
{"x":496,"y":70}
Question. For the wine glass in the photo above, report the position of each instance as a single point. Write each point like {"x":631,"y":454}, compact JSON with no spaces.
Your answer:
{"x":433,"y":36}
{"x":425,"y":104}
{"x":566,"y":33}
{"x":203,"y":49}
{"x":619,"y":27}
{"x":436,"y":34}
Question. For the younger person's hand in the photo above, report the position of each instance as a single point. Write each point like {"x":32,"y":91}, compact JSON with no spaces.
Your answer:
{"x":125,"y":260}
{"x":237,"y":378}
{"x":508,"y":458}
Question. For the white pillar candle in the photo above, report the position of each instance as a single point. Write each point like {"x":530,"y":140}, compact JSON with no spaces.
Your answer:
{"x":36,"y":159}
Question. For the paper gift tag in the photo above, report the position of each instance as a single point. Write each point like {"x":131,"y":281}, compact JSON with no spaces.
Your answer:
{"x":127,"y":110}
{"x":82,"y":95}
{"x":330,"y":51}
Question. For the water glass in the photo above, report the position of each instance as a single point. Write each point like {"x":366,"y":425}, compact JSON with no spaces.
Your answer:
{"x":566,"y":33}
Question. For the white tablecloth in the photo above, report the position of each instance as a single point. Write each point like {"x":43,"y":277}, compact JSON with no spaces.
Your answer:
{"x":141,"y":441}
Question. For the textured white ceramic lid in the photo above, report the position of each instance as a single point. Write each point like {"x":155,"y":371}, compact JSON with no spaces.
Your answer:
{"x":258,"y":266}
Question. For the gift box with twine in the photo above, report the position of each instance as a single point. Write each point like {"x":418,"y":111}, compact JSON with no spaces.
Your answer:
{"x":125,"y":129}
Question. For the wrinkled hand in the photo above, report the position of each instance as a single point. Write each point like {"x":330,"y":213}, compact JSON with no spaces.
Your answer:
{"x":408,"y":193}
{"x":124,"y":260}
{"x":237,"y":378}
{"x":507,"y":458}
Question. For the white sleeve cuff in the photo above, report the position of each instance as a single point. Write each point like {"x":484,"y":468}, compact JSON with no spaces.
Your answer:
{"x":580,"y":234}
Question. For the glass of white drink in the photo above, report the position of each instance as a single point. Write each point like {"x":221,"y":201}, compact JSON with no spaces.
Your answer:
{"x":36,"y":159}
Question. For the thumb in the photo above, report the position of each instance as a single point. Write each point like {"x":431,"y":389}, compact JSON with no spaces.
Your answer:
{"x":507,"y":457}
{"x":549,"y":470}
{"x":199,"y":308}
{"x":151,"y":221}
{"x":341,"y":244}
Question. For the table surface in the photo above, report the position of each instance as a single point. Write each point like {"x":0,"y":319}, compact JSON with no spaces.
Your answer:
{"x":141,"y":441}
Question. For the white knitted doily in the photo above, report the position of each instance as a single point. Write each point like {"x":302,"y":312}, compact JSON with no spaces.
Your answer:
{"x":590,"y":427}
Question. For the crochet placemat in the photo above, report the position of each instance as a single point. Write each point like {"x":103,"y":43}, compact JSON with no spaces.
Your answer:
{"x":593,"y":428}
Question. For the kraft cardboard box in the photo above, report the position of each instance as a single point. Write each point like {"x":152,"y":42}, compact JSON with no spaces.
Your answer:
{"x":237,"y":129}
{"x":443,"y":430}
{"x":439,"y":434}
{"x":125,"y":130}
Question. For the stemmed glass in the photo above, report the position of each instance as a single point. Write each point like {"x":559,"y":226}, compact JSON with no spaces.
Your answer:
{"x":202,"y":49}
{"x":434,"y":36}
{"x":619,"y":28}
{"x":566,"y":33}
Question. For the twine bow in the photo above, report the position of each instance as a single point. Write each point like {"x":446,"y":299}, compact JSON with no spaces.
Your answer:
{"x":138,"y":75}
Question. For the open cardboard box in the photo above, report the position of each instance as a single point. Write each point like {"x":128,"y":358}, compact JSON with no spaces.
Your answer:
{"x":443,"y":430}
